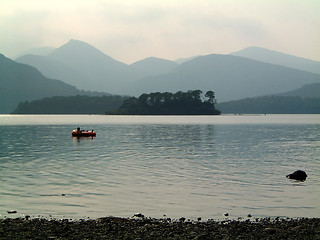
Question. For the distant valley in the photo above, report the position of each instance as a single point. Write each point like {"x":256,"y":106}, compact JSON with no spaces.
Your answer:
{"x":79,"y":68}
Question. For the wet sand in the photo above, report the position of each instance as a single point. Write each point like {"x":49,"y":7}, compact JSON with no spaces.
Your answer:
{"x":149,"y":228}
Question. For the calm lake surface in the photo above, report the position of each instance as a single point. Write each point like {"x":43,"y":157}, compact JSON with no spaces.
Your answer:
{"x":178,"y":166}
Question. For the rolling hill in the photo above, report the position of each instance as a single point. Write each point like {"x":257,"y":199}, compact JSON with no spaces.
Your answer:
{"x":272,"y":105}
{"x":269,"y":56}
{"x":309,"y":90}
{"x":153,"y":66}
{"x":304,"y":100}
{"x":21,"y":82}
{"x":80,"y":64}
{"x":71,"y":105}
{"x":230,"y":77}
{"x":98,"y":69}
{"x":52,"y":68}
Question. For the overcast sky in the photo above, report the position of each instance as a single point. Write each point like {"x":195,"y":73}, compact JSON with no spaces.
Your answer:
{"x":135,"y":29}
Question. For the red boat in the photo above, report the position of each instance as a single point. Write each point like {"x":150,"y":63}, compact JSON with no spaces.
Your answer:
{"x":83,"y":133}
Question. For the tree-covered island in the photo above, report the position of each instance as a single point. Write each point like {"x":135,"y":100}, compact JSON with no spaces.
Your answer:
{"x":192,"y":102}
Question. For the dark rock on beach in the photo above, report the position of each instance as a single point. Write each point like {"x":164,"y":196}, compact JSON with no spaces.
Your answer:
{"x":12,"y":211}
{"x":298,"y":175}
{"x":148,"y":228}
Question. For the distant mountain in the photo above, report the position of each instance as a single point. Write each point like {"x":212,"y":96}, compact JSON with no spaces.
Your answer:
{"x":55,"y":69}
{"x":21,"y":82}
{"x":230,"y":77}
{"x":86,"y":67}
{"x":98,"y":70}
{"x":302,"y":100}
{"x":153,"y":66}
{"x":309,"y":91}
{"x":41,"y":51}
{"x":265,"y":55}
{"x":183,"y":60}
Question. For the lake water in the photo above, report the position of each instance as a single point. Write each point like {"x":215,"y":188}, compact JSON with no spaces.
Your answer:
{"x":178,"y":166}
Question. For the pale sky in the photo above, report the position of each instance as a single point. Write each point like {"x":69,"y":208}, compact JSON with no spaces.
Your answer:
{"x":135,"y":29}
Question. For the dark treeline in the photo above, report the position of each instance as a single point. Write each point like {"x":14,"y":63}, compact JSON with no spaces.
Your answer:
{"x":272,"y":105}
{"x":71,"y":105}
{"x":179,"y":103}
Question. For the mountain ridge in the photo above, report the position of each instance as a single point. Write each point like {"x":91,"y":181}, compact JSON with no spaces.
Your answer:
{"x":21,"y":82}
{"x":229,"y":76}
{"x":154,"y":66}
{"x":55,"y":69}
{"x":274,"y":57}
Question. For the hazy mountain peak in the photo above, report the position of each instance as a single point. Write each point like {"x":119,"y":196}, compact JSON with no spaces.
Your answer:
{"x":101,"y":71}
{"x":152,"y":59}
{"x":262,"y":53}
{"x":2,"y":57}
{"x":230,"y":77}
{"x":21,"y":82}
{"x":183,"y":60}
{"x":154,"y":66}
{"x":40,"y":51}
{"x":75,"y":49}
{"x":274,"y":57}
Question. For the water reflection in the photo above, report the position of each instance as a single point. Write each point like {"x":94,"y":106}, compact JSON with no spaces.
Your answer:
{"x":80,"y":139}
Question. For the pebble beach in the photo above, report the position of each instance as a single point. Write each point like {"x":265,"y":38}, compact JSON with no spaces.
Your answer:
{"x":148,"y":228}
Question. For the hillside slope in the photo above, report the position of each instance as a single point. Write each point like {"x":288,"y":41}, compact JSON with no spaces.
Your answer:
{"x":153,"y":66}
{"x":71,"y":105}
{"x":100,"y":71}
{"x":230,"y":77}
{"x":269,"y":56}
{"x":52,"y":68}
{"x":21,"y":82}
{"x":272,"y":105}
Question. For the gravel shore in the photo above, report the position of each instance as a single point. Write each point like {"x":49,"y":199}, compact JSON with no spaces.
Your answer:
{"x":148,"y":228}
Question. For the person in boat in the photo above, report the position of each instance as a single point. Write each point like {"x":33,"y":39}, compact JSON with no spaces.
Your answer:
{"x":78,"y":129}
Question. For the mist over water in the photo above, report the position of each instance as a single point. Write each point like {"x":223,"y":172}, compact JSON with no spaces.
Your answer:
{"x":174,"y":166}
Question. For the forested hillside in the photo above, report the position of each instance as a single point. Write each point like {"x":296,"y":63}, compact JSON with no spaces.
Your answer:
{"x":71,"y":105}
{"x":21,"y":82}
{"x":272,"y":105}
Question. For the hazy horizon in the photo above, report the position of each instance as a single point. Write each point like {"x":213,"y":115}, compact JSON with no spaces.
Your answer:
{"x":131,"y":31}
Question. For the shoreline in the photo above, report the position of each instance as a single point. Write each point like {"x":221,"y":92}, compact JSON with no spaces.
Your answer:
{"x":140,"y":227}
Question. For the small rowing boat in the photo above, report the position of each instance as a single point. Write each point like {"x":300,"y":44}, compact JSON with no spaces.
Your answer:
{"x":83,"y":133}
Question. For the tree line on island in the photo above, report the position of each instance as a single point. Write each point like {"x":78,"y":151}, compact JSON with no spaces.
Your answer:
{"x":192,"y":102}
{"x":79,"y":104}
